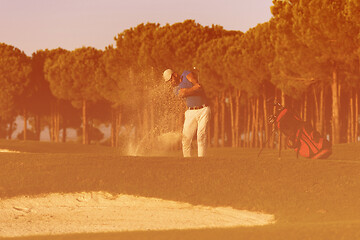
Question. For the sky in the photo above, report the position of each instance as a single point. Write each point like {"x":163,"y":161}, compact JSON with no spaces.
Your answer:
{"x":31,"y":25}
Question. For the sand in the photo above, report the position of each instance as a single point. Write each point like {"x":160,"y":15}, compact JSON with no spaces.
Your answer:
{"x":8,"y":151}
{"x":56,"y":214}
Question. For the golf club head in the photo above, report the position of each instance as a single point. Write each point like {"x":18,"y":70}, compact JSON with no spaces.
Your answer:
{"x":271,"y":119}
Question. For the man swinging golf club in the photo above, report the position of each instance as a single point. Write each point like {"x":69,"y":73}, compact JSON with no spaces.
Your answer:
{"x":197,"y":114}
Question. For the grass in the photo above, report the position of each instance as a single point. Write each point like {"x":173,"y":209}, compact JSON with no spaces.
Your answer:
{"x":311,"y":199}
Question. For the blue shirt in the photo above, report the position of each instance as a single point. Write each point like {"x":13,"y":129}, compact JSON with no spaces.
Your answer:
{"x":191,"y":101}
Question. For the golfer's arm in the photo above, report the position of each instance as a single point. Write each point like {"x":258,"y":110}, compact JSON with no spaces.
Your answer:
{"x":195,"y":88}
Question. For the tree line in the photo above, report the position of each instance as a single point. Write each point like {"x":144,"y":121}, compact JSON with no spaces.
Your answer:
{"x":306,"y":56}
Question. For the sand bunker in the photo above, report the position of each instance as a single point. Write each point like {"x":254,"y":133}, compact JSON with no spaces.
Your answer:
{"x":102,"y":212}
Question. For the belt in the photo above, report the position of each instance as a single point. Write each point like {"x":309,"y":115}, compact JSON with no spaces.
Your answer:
{"x":197,"y":107}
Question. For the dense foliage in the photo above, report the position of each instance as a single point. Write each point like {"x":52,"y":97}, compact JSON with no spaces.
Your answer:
{"x":307,"y":57}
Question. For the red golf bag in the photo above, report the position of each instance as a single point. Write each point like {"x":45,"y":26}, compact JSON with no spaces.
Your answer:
{"x":301,"y":136}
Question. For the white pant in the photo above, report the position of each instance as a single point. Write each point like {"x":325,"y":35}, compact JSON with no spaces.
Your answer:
{"x":195,"y":120}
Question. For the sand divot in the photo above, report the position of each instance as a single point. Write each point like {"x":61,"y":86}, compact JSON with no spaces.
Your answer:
{"x":102,"y":212}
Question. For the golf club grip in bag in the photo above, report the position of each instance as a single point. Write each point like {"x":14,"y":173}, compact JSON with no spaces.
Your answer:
{"x":301,"y":136}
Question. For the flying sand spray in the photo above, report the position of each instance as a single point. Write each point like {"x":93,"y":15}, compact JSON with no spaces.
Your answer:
{"x":165,"y":133}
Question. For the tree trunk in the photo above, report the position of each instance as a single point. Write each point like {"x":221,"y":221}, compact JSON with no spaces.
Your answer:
{"x":317,"y":109}
{"x":152,"y":117}
{"x":248,"y":122}
{"x":57,"y":122}
{"x":265,"y":118}
{"x":272,"y":136}
{"x":237,"y":112}
{"x":209,"y":133}
{"x":2,"y":123}
{"x":356,"y":131}
{"x":283,"y":138}
{"x":37,"y":127}
{"x":261,"y":134}
{"x":25,"y":124}
{"x":233,"y":139}
{"x":348,"y":129}
{"x":216,"y":122}
{"x":257,"y":123}
{"x":118,"y":119}
{"x":253,"y":122}
{"x":84,"y":123}
{"x":11,"y":129}
{"x":64,"y":133}
{"x":245,"y":125}
{"x":115,"y":127}
{"x":322,"y":110}
{"x":51,"y":130}
{"x":305,"y":107}
{"x":335,"y":123}
{"x":351,"y":118}
{"x":112,"y":130}
{"x":222,"y":104}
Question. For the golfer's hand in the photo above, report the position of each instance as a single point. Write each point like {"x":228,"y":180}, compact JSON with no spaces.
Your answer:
{"x":182,"y":92}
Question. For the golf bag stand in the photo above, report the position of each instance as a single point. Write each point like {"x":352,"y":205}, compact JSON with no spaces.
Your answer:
{"x":300,"y":135}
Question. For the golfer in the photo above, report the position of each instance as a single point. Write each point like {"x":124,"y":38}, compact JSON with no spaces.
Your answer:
{"x":197,"y":114}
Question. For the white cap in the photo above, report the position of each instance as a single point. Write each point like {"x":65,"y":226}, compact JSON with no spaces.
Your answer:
{"x":167,"y":74}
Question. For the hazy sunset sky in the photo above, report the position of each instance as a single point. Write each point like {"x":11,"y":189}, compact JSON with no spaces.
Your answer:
{"x":31,"y":25}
